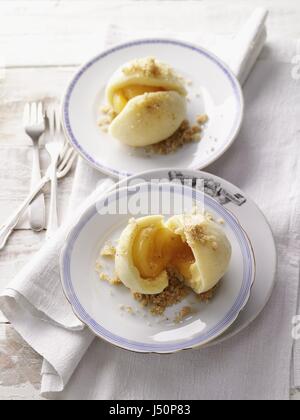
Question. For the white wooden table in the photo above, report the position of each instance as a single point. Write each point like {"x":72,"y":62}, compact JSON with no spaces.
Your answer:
{"x":41,"y":43}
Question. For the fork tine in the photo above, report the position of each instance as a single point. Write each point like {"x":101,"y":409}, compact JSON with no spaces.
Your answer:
{"x":50,"y":117}
{"x":64,"y":151}
{"x":57,"y":121}
{"x":40,"y":114}
{"x":66,"y":157}
{"x":33,"y":113}
{"x":63,"y":171}
{"x":71,"y":161}
{"x":26,"y":115}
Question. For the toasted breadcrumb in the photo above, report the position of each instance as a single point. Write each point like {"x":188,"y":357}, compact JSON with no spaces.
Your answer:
{"x":198,"y":233}
{"x":173,"y":294}
{"x":157,"y":304}
{"x":105,"y":277}
{"x":196,"y":129}
{"x":105,"y":109}
{"x":196,"y":138}
{"x":108,"y":250}
{"x":114,"y":281}
{"x":184,"y":135}
{"x":129,"y":309}
{"x":182,"y":314}
{"x":106,"y":118}
{"x":202,"y":119}
{"x":209,"y":216}
{"x":208,"y":296}
{"x":148,"y":67}
{"x":112,"y":113}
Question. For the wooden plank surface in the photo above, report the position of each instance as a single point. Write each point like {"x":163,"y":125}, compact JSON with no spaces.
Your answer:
{"x":41,"y":42}
{"x":18,"y":87}
{"x":67,"y":32}
{"x":20,"y":367}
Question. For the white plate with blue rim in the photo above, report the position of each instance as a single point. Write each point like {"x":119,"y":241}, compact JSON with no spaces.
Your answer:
{"x":100,"y":305}
{"x":214,"y":90}
{"x":254,"y":223}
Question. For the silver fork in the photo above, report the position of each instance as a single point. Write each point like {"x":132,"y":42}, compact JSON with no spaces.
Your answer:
{"x":65,"y":164}
{"x":34,"y":125}
{"x":54,"y":147}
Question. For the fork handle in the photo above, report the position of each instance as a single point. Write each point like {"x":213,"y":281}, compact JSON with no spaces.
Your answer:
{"x":37,"y":212}
{"x":53,"y":216}
{"x":7,"y":229}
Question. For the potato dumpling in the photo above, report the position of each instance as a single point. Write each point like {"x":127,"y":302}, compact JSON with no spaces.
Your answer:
{"x":149,"y":100}
{"x":210,"y":246}
{"x":149,"y":119}
{"x":195,"y":247}
{"x":127,"y":257}
{"x":121,"y":97}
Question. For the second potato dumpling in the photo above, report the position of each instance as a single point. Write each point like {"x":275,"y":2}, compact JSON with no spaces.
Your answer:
{"x":149,"y":101}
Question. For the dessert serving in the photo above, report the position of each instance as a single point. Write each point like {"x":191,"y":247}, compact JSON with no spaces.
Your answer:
{"x":162,"y":262}
{"x":147,"y":107}
{"x":194,"y":247}
{"x":149,"y":101}
{"x":159,"y":284}
{"x":152,"y":104}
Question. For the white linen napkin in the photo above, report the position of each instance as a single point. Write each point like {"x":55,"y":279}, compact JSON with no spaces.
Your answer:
{"x":239,"y":368}
{"x":247,"y":45}
{"x":240,"y":53}
{"x":36,"y":306}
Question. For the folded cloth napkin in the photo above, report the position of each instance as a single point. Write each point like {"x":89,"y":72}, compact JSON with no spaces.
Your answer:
{"x":254,"y":364}
{"x":36,"y":306}
{"x":247,"y":45}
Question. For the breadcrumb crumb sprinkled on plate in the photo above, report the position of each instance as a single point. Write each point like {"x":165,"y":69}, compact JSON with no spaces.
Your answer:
{"x":108,"y":250}
{"x":182,"y":314}
{"x":202,"y":119}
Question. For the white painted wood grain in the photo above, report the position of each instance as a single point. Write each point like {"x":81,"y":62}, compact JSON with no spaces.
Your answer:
{"x":67,"y":32}
{"x":16,"y":88}
{"x":15,"y":168}
{"x":20,"y":367}
{"x":20,"y":85}
{"x":40,"y":43}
